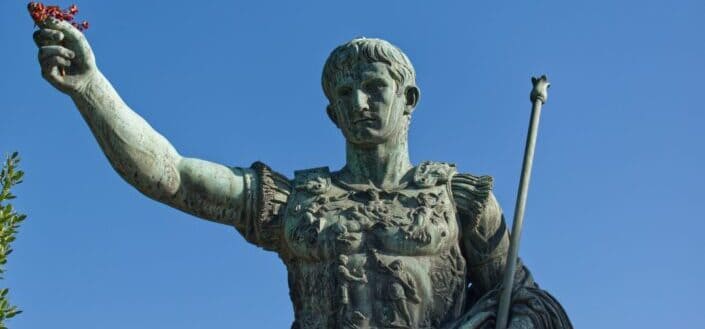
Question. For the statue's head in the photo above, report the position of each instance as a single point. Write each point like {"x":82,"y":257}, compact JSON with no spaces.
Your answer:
{"x":371,"y":88}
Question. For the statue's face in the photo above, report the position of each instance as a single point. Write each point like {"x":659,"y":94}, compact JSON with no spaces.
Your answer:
{"x":366,"y":105}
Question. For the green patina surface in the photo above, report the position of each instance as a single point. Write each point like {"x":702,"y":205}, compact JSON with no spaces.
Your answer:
{"x":379,"y":243}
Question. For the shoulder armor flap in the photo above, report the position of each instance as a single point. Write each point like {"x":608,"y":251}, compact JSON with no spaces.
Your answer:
{"x":471,"y":192}
{"x":477,"y":186}
{"x":315,"y":180}
{"x":430,"y":173}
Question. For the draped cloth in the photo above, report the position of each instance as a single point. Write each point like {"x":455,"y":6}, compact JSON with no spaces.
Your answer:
{"x":532,"y":307}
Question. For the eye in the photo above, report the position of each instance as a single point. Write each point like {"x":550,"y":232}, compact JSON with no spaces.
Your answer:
{"x":375,"y":86}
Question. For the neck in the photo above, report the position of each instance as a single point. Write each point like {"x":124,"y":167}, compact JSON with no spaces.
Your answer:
{"x":383,"y":165}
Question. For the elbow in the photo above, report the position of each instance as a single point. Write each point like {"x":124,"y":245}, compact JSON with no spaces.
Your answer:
{"x":154,"y":176}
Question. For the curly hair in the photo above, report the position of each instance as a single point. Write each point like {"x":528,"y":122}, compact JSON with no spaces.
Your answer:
{"x":343,"y":57}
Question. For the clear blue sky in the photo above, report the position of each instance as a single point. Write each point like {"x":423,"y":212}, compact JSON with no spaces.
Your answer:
{"x":614,"y":222}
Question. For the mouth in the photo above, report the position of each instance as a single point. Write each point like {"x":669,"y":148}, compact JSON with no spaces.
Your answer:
{"x":363,"y":120}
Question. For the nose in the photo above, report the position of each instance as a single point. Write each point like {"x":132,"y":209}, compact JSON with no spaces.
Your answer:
{"x":359,"y":100}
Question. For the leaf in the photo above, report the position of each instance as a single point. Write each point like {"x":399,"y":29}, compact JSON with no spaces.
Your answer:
{"x":9,"y":224}
{"x":14,"y":311}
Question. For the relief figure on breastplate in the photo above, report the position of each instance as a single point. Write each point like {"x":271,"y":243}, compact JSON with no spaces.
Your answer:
{"x":398,"y":288}
{"x":429,"y":213}
{"x":347,"y":278}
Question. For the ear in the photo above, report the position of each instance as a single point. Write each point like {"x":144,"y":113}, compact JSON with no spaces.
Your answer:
{"x":412,"y":98}
{"x":331,"y":114}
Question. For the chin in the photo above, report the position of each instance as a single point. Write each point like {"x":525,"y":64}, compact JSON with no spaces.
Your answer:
{"x":367,"y":137}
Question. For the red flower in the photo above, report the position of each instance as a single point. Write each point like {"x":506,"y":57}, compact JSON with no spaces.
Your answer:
{"x":39,"y":12}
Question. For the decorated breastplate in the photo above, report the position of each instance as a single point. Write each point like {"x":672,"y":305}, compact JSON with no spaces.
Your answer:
{"x":361,"y":257}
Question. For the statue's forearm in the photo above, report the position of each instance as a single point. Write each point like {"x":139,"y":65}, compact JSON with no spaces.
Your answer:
{"x":142,"y":156}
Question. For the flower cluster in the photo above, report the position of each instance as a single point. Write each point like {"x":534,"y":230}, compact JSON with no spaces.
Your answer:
{"x":41,"y":12}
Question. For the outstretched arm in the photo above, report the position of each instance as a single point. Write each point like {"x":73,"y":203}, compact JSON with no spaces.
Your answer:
{"x":142,"y":156}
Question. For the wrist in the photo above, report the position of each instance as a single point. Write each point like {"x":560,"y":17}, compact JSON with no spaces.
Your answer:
{"x":89,"y":84}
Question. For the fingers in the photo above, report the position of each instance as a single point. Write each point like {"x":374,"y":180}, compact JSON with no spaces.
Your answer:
{"x":51,"y":73}
{"x":72,"y":39}
{"x":46,"y":37}
{"x":71,"y":34}
{"x":54,"y":61}
{"x":58,"y":51}
{"x":54,"y":70}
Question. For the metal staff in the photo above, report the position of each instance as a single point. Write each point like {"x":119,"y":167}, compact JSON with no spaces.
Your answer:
{"x":539,"y":95}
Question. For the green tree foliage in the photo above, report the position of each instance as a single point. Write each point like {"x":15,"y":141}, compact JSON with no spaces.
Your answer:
{"x":9,"y":223}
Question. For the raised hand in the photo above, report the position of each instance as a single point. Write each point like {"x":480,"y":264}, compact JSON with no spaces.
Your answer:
{"x":65,"y":57}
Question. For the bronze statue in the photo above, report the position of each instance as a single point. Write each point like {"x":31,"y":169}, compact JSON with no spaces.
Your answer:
{"x":380,"y":243}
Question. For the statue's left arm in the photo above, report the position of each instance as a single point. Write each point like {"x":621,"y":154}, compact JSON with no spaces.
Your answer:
{"x":484,"y":235}
{"x":485,"y":242}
